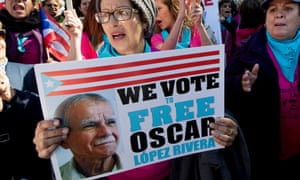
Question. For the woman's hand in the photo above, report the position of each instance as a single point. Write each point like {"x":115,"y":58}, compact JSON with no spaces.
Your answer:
{"x":197,"y":13}
{"x":48,"y":136}
{"x":224,"y":131}
{"x":249,"y":78}
{"x":72,"y":23}
{"x":74,"y":27}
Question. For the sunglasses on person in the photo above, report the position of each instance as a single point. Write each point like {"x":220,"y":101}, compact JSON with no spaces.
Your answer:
{"x":120,"y":14}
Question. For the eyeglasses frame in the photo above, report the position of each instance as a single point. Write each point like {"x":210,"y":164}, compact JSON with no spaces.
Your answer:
{"x":112,"y":13}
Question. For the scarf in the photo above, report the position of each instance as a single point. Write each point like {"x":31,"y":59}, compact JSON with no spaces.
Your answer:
{"x":185,"y":38}
{"x":286,"y":53}
{"x":15,"y":25}
{"x":228,"y":19}
{"x":108,"y":51}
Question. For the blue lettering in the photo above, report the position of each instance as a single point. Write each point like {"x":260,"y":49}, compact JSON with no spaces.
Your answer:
{"x":159,"y":114}
{"x":147,"y":157}
{"x":182,"y":110}
{"x":136,"y":118}
{"x":204,"y":108}
{"x":193,"y":146}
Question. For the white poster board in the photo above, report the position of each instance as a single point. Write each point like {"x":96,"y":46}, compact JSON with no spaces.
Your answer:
{"x":172,"y":94}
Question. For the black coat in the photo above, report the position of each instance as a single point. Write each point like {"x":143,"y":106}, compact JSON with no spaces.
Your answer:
{"x":18,"y":157}
{"x":258,"y":111}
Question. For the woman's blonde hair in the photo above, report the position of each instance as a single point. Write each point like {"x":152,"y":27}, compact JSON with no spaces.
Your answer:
{"x":173,"y":6}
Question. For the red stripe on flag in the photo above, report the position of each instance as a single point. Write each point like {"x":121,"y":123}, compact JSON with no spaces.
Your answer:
{"x":127,"y":83}
{"x":131,"y":64}
{"x":138,"y":72}
{"x":54,"y":34}
{"x":57,"y":38}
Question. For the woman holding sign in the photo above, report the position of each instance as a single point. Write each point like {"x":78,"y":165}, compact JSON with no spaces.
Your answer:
{"x":126,"y":25}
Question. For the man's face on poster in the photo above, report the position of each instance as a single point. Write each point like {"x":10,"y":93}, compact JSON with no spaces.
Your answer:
{"x":93,"y":129}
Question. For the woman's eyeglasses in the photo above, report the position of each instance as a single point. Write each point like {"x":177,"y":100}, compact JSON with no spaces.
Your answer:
{"x":120,"y":14}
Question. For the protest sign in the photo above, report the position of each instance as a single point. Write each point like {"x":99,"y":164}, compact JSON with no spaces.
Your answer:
{"x":163,"y":101}
{"x":211,"y":20}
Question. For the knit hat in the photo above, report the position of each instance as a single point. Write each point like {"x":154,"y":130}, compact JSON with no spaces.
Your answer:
{"x":149,"y":10}
{"x":266,"y":3}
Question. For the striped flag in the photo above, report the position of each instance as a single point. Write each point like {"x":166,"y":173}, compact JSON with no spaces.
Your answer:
{"x":109,"y":73}
{"x":56,"y":39}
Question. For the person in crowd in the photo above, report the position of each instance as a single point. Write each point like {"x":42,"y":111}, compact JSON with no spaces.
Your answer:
{"x":252,"y":18}
{"x":19,"y":116}
{"x":21,"y":76}
{"x":262,"y":89}
{"x":126,"y":24}
{"x":91,"y":41}
{"x":24,"y":39}
{"x":228,"y":26}
{"x":138,"y":25}
{"x":210,"y":31}
{"x":81,"y":7}
{"x":54,"y":8}
{"x":175,"y":28}
{"x":93,"y":137}
{"x":19,"y":113}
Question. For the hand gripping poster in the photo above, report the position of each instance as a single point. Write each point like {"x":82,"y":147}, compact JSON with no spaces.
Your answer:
{"x":132,"y":111}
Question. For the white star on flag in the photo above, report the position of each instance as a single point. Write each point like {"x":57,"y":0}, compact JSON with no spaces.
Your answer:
{"x":49,"y":83}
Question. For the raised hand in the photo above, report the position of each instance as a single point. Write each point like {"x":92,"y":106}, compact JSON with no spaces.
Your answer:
{"x":249,"y":78}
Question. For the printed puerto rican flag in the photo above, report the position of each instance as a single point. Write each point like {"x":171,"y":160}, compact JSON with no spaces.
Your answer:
{"x":56,"y":39}
{"x":101,"y":76}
